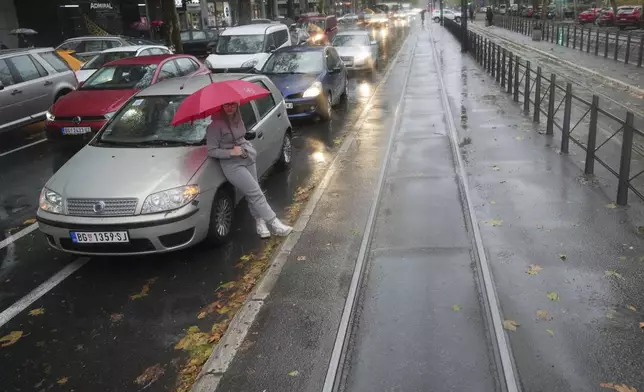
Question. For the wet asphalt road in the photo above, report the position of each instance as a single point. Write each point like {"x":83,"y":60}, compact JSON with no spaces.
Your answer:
{"x":92,"y":335}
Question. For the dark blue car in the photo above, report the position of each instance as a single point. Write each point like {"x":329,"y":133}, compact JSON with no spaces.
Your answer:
{"x":312,"y":79}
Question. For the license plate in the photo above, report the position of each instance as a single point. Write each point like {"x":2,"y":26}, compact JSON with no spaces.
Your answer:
{"x":99,"y":237}
{"x":76,"y":130}
{"x":289,"y":105}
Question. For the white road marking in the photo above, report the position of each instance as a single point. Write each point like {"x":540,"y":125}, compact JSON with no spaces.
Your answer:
{"x":13,"y":238}
{"x":23,"y":303}
{"x":23,"y":147}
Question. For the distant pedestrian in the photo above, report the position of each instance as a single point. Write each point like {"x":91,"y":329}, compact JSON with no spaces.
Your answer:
{"x":422,"y":16}
{"x":226,"y":142}
{"x":489,"y":15}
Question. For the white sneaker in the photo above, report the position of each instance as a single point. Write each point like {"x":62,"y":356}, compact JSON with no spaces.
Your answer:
{"x":262,"y":228}
{"x":280,"y":228}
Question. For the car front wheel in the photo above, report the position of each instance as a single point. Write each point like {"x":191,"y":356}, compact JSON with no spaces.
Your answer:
{"x":457,"y":20}
{"x":221,"y":217}
{"x":286,"y":154}
{"x":437,"y":19}
{"x":327,"y":106}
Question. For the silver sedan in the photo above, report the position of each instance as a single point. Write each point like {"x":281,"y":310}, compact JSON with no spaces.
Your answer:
{"x":143,"y":186}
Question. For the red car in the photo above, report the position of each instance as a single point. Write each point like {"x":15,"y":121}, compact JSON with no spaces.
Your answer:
{"x":589,"y":16}
{"x":629,"y":15}
{"x":607,"y":17}
{"x":81,"y":113}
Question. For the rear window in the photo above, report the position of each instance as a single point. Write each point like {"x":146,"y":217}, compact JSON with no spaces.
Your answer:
{"x":53,"y":59}
{"x":626,"y":10}
{"x":99,"y":60}
{"x":135,"y":76}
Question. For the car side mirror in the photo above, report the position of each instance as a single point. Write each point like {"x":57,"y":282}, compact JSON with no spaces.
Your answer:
{"x":272,"y":48}
{"x":251,"y":135}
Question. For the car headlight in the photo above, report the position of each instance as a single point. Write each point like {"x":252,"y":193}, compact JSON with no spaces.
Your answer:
{"x":109,"y":115}
{"x":318,"y":37}
{"x":361,"y":57}
{"x":49,"y":116}
{"x":51,"y":201}
{"x":313,"y":91}
{"x":170,"y":199}
{"x":249,"y":63}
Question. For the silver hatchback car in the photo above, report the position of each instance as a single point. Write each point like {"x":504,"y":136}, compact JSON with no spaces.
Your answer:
{"x":144,"y":186}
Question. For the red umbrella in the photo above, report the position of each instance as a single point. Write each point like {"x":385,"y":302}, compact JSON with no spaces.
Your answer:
{"x":209,"y":100}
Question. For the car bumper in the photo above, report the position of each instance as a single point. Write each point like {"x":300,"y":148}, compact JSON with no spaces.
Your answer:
{"x":148,"y":234}
{"x":627,"y":22}
{"x":54,"y":130}
{"x":304,"y":107}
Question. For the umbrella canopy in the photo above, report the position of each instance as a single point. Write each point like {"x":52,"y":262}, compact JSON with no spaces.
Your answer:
{"x":209,"y":100}
{"x":23,"y":31}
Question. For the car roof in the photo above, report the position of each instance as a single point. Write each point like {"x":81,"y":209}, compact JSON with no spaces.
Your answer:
{"x":4,"y":52}
{"x":304,"y":48}
{"x":131,"y":48}
{"x":254,"y":29}
{"x":97,"y":37}
{"x":142,"y":60}
{"x":188,"y":84}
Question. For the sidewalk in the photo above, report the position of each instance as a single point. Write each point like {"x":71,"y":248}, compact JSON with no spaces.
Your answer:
{"x":567,"y":268}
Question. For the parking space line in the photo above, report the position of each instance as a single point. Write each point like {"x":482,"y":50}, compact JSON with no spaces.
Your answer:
{"x":15,"y":237}
{"x":23,"y":147}
{"x":24,"y":302}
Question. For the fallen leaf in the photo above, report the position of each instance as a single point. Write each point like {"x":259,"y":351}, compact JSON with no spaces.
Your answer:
{"x":301,"y":258}
{"x":519,"y":138}
{"x":37,"y":312}
{"x":201,"y":315}
{"x":193,"y":339}
{"x":10,"y":339}
{"x":611,"y":206}
{"x":293,"y":373}
{"x":245,"y":258}
{"x":510,"y":325}
{"x":29,"y":221}
{"x":227,"y":286}
{"x":150,"y":375}
{"x":613,"y":273}
{"x":494,"y":222}
{"x":631,"y":307}
{"x":641,"y":324}
{"x":62,"y":380}
{"x":116,"y":317}
{"x":553,"y":296}
{"x":456,"y":308}
{"x":223,"y":310}
{"x":533,"y":269}
{"x":543,"y":315}
{"x":492,"y":202}
{"x":551,"y":332}
{"x":563,"y":257}
{"x":495,"y":167}
{"x":618,"y":387}
{"x":145,"y":290}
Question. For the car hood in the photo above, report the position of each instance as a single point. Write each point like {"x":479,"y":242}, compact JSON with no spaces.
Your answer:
{"x":83,"y":74}
{"x":352,"y":51}
{"x":126,"y":172}
{"x":235,"y":60}
{"x":293,"y":84}
{"x":91,"y":102}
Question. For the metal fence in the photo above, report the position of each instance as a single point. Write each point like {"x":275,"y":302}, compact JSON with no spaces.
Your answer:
{"x":606,"y":138}
{"x":626,"y":47}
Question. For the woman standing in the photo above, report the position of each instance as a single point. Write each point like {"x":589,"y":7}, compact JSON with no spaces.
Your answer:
{"x":226,"y":142}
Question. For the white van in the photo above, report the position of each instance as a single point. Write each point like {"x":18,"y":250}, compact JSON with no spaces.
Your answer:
{"x":503,"y":8}
{"x":242,"y":48}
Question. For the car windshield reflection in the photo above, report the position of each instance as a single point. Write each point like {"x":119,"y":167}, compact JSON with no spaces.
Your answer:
{"x":99,"y":60}
{"x":146,"y":122}
{"x":136,"y":76}
{"x":240,"y":44}
{"x":294,"y":63}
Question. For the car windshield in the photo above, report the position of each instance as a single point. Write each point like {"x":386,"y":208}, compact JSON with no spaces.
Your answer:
{"x":240,"y":44}
{"x":198,"y":35}
{"x":351,"y":40}
{"x":294,"y":63}
{"x":134,"y":76}
{"x":101,"y":59}
{"x":146,"y":122}
{"x":312,"y":24}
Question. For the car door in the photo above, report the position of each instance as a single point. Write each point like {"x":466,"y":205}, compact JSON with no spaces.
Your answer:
{"x":249,"y":115}
{"x":339,"y":76}
{"x":29,"y":93}
{"x":8,"y":110}
{"x":270,"y":117}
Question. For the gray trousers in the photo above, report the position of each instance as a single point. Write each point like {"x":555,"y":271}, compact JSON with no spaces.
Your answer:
{"x":243,"y":175}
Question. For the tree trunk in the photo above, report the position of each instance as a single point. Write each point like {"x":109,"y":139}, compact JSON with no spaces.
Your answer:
{"x":171,"y":22}
{"x":613,"y":4}
{"x":245,"y":12}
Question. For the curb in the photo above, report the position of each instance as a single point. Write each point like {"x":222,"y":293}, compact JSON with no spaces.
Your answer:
{"x":225,"y":351}
{"x":627,"y":87}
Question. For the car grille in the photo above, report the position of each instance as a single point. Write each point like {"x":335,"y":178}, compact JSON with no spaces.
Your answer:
{"x":136,"y":245}
{"x":83,"y":118}
{"x":347,"y":59}
{"x":295,"y":96}
{"x":111,"y":207}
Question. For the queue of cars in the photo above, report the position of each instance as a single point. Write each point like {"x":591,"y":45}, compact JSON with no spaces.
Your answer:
{"x":139,"y":185}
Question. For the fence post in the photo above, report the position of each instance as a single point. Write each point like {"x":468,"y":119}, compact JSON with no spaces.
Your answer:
{"x":606,"y":45}
{"x":592,"y":137}
{"x":616,"y":45}
{"x":581,"y":39}
{"x":526,"y":89}
{"x":625,"y":161}
{"x":590,"y":31}
{"x":498,"y":64}
{"x":510,"y":65}
{"x":639,"y":56}
{"x":552,"y":32}
{"x":493,"y":68}
{"x":537,"y":96}
{"x":568,"y":36}
{"x":628,"y":48}
{"x":551,"y":105}
{"x":574,"y":37}
{"x":517,"y":64}
{"x":503,"y":69}
{"x":596,"y":42}
{"x":565,"y":133}
{"x":484,"y":62}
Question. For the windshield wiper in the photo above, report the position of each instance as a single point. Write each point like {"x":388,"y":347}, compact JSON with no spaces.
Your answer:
{"x":162,"y":142}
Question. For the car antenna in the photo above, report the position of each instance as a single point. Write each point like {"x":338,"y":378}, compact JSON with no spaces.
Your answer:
{"x":191,"y":76}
